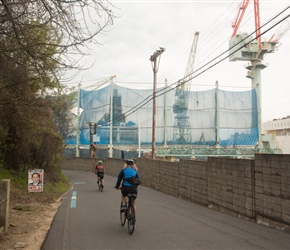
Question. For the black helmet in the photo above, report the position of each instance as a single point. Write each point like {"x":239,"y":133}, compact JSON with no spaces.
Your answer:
{"x":129,"y":162}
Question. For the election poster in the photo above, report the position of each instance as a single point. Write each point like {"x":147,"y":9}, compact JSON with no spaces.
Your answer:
{"x":35,"y":180}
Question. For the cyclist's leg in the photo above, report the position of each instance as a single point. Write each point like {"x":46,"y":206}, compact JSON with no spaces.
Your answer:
{"x":102,"y":178}
{"x":124,"y":193}
{"x":98,"y":174}
{"x":123,"y":199}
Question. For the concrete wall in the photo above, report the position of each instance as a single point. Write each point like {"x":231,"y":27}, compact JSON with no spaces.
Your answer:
{"x":258,"y":189}
{"x":272,"y":187}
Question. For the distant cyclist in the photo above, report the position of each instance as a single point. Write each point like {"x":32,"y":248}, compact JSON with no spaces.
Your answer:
{"x":100,"y":171}
{"x":129,"y":170}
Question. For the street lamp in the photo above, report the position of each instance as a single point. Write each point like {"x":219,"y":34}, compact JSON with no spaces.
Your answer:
{"x":153,"y":59}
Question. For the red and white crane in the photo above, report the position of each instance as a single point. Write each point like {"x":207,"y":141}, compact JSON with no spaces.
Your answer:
{"x":243,"y":47}
{"x":281,"y":31}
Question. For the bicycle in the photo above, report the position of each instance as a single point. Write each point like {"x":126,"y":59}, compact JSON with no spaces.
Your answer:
{"x":128,"y":214}
{"x":100,"y":182}
{"x":100,"y":185}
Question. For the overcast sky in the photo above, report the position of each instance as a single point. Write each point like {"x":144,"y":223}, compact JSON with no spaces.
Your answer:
{"x":144,"y":26}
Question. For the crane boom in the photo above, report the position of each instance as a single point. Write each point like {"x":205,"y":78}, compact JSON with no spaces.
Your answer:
{"x":257,"y":23}
{"x":282,"y":30}
{"x":182,"y":128}
{"x":238,"y":20}
{"x":190,"y":65}
{"x":242,"y":10}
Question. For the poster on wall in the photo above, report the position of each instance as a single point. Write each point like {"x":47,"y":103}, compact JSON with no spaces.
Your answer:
{"x":35,"y":180}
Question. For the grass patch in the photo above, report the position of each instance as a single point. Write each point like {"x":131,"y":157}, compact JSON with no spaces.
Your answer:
{"x":22,"y":208}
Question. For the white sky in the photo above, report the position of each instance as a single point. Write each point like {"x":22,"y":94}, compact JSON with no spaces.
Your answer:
{"x":144,"y":26}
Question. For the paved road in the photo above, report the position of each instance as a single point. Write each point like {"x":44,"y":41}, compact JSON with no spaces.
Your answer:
{"x":91,"y":221}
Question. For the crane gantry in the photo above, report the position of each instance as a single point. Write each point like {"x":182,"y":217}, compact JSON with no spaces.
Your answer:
{"x":181,"y":128}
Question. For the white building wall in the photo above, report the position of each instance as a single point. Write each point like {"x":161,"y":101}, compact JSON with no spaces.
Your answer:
{"x":284,"y":143}
{"x":277,"y":124}
{"x":280,"y":128}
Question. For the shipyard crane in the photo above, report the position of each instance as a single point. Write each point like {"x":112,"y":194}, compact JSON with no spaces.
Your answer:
{"x":243,"y":47}
{"x":246,"y":48}
{"x":181,"y":128}
{"x":281,"y":31}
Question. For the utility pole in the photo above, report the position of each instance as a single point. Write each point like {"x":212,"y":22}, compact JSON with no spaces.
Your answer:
{"x":153,"y":59}
{"x":165,"y":117}
{"x":217,"y":118}
{"x":78,"y":124}
{"x":93,"y":131}
{"x":110,"y":148}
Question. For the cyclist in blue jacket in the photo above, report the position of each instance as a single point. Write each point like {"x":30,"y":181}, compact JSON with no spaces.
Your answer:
{"x":129,"y":170}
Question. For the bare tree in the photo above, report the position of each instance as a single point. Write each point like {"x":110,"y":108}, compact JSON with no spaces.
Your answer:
{"x":49,"y":37}
{"x":39,"y":41}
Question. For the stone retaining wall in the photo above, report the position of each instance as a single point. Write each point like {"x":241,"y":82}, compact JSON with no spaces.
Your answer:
{"x":258,"y":189}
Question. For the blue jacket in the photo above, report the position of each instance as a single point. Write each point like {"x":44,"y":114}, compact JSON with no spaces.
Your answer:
{"x":124,"y":174}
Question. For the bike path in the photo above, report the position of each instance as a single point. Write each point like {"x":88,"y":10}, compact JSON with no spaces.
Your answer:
{"x":89,"y":219}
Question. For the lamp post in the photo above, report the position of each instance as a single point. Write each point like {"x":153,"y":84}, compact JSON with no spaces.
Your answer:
{"x":153,"y":59}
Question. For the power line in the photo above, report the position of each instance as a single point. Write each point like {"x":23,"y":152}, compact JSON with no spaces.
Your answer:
{"x":203,"y":68}
{"x":179,"y":82}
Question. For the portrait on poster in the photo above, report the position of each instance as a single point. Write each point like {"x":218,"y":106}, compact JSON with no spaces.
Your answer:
{"x":35,"y":180}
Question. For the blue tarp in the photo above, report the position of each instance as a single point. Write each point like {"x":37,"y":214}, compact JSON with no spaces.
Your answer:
{"x":232,"y":116}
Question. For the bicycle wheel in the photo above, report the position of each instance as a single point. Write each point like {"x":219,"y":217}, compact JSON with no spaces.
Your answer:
{"x":101,"y":187}
{"x":131,"y":220}
{"x":123,"y":216}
